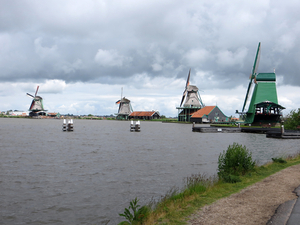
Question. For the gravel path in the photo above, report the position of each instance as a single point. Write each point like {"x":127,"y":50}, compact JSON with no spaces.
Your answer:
{"x":253,"y":205}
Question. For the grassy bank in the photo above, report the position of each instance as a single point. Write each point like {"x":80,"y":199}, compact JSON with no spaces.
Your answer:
{"x":176,"y":206}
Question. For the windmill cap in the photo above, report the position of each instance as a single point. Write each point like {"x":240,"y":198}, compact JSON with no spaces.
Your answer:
{"x":266,"y":77}
{"x":192,"y":88}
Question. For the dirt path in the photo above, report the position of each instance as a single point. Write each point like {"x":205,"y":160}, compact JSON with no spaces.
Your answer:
{"x":253,"y":205}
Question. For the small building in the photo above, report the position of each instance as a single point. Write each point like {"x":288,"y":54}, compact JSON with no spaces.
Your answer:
{"x":209,"y":114}
{"x":144,"y":115}
{"x":54,"y":115}
{"x":17,"y":113}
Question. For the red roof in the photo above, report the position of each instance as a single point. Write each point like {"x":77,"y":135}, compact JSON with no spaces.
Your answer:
{"x":52,"y":114}
{"x":204,"y":111}
{"x":142,"y":113}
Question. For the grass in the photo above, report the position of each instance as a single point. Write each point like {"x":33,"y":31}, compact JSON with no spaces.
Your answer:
{"x":176,"y":206}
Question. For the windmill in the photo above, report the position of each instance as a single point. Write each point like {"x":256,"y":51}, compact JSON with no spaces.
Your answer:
{"x":36,"y":104}
{"x":263,"y":107}
{"x":124,"y":108}
{"x":192,"y":101}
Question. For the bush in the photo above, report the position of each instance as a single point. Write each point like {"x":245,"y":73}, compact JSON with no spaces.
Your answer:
{"x":292,"y":120}
{"x":237,"y":160}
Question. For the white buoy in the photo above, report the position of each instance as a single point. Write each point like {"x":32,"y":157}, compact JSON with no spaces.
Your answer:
{"x":64,"y":125}
{"x":68,"y":125}
{"x":137,"y":126}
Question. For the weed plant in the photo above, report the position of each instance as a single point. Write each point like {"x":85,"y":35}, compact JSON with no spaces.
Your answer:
{"x":134,"y":213}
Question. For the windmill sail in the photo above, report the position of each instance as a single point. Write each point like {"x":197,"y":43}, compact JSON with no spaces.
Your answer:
{"x":186,"y":86}
{"x":252,"y":76}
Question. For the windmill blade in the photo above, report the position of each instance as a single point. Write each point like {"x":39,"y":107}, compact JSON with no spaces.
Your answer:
{"x":200,"y":100}
{"x":186,"y":86}
{"x":247,"y":95}
{"x":31,"y":105}
{"x":36,"y":90}
{"x":183,"y":96}
{"x":256,"y":61}
{"x":119,"y":108}
{"x":188,"y":80}
{"x":252,"y":76}
{"x":29,"y":95}
{"x":130,"y":107}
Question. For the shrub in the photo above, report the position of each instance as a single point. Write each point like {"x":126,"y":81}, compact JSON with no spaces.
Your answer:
{"x":237,"y":160}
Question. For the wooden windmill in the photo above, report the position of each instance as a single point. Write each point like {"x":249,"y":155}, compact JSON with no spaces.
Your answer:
{"x":124,"y":108}
{"x":263,"y":107}
{"x":36,"y":104}
{"x":192,"y":101}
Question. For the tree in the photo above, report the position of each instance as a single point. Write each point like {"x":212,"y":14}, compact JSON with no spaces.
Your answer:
{"x":292,"y":120}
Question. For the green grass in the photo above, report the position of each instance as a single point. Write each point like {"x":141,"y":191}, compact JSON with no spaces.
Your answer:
{"x":175,"y":207}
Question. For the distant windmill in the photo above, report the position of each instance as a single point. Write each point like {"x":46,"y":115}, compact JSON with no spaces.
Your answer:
{"x":263,"y":106}
{"x":36,"y":104}
{"x":124,"y":107}
{"x":191,"y":99}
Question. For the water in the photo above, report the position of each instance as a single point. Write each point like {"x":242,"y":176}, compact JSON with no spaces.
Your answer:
{"x":89,"y":176}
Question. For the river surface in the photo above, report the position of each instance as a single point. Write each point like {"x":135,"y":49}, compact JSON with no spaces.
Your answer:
{"x":90,"y":175}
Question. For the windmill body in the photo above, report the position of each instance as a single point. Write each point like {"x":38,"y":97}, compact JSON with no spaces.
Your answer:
{"x":192,"y":97}
{"x":191,"y":101}
{"x":124,"y":108}
{"x":36,"y":104}
{"x":263,"y":107}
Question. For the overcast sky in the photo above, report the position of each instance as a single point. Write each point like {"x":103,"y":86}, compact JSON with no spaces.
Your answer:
{"x":81,"y":53}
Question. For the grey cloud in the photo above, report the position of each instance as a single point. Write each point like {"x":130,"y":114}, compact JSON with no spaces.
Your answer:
{"x":110,"y":41}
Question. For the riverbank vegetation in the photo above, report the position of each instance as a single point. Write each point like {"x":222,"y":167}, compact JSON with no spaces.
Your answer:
{"x":199,"y":190}
{"x":292,"y":121}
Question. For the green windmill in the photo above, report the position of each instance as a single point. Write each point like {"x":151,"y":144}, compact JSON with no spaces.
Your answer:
{"x":263,"y":107}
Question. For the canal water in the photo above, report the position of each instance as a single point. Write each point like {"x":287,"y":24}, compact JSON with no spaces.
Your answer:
{"x":89,"y":176}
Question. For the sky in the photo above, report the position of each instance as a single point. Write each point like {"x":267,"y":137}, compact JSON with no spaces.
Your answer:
{"x":82,"y":54}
